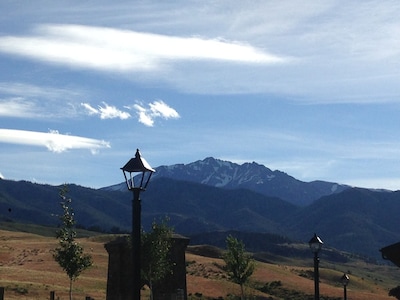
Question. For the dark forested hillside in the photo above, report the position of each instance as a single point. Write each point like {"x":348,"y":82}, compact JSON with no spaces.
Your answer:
{"x":356,"y":220}
{"x":195,"y":208}
{"x":28,"y":202}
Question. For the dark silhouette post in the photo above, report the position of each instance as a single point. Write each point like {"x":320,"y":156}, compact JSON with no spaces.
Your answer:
{"x":316,"y":276}
{"x":136,"y":226}
{"x":315,"y":246}
{"x":392,"y":253}
{"x":345,"y":280}
{"x":137,"y":173}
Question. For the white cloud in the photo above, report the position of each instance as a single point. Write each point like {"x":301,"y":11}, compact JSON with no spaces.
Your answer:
{"x":52,"y":140}
{"x":17,"y":107}
{"x":90,"y":109}
{"x":1,"y":176}
{"x":348,"y":48}
{"x":157,"y":109}
{"x":22,"y":100}
{"x":160,"y":109}
{"x":106,"y":111}
{"x":27,"y":90}
{"x":122,"y":50}
{"x":111,"y":112}
{"x":144,"y":116}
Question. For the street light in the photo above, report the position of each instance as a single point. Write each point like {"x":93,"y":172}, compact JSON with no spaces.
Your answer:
{"x":137,"y":173}
{"x":315,"y":246}
{"x":345,"y":280}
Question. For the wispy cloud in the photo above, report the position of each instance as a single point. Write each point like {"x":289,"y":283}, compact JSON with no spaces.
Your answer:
{"x":146,"y":113}
{"x":18,"y":108}
{"x":156,"y":109}
{"x":22,"y":100}
{"x":122,"y":50}
{"x":34,"y":91}
{"x":53,"y":141}
{"x":106,"y":111}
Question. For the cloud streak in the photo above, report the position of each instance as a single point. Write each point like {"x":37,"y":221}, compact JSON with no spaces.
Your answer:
{"x":156,"y":109}
{"x":118,"y":50}
{"x":146,"y":113}
{"x":106,"y":111}
{"x":23,"y":100}
{"x":17,"y":108}
{"x":53,"y":141}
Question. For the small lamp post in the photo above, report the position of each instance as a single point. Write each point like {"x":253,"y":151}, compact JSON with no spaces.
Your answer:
{"x":137,"y":173}
{"x":345,"y":280}
{"x":315,"y":246}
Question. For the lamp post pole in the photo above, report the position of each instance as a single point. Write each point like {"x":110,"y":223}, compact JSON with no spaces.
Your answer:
{"x":316,"y":276}
{"x":345,"y":280}
{"x":137,"y":173}
{"x":136,"y":242}
{"x":315,"y":246}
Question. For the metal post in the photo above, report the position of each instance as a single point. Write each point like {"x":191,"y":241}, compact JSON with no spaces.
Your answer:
{"x":136,"y":228}
{"x":345,"y":292}
{"x":316,"y":276}
{"x":52,"y":295}
{"x":1,"y":293}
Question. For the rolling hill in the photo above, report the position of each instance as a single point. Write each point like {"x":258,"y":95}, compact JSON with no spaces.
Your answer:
{"x":29,"y":272}
{"x":356,"y":220}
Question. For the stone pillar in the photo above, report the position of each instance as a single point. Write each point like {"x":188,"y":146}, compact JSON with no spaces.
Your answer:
{"x":119,"y":279}
{"x":174,"y":286}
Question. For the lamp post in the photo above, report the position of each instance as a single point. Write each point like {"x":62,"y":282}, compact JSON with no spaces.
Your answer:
{"x":315,"y":246}
{"x":137,"y":173}
{"x":345,"y":280}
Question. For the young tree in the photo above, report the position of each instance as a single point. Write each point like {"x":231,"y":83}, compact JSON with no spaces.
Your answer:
{"x":395,"y":292}
{"x":239,"y":265}
{"x":69,"y":254}
{"x":155,"y":260}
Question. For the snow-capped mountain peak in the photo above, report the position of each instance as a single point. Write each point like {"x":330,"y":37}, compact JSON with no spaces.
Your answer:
{"x":251,"y":176}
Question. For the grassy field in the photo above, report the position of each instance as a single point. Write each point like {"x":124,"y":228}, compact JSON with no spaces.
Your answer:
{"x":28,"y":271}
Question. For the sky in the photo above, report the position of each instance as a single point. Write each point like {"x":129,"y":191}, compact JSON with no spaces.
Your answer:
{"x":310,"y":89}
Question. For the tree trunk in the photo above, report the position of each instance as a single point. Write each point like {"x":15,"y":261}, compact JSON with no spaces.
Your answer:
{"x":70,"y":289}
{"x":151,"y":290}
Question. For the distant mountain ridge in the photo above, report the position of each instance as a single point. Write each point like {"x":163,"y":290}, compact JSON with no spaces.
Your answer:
{"x":213,"y":196}
{"x":357,"y":220}
{"x":251,"y":176}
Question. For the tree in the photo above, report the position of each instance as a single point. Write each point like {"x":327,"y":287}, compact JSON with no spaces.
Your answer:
{"x":395,"y":292}
{"x":69,"y":254}
{"x":239,"y":265}
{"x":155,"y":260}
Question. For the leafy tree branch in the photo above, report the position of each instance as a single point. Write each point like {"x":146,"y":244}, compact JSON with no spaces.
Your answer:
{"x":69,"y":254}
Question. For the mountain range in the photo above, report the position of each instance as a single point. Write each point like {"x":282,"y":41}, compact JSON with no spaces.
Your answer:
{"x":250,"y":176}
{"x":211,"y":195}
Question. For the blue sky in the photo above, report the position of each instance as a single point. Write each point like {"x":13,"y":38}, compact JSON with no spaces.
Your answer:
{"x":312,"y":89}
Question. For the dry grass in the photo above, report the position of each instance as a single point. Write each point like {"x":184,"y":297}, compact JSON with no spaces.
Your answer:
{"x":205,"y":277}
{"x":28,"y":271}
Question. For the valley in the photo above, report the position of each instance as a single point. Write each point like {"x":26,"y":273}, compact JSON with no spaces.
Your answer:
{"x":28,"y":271}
